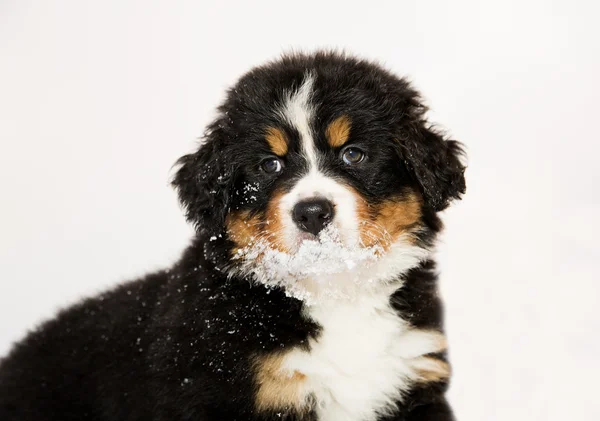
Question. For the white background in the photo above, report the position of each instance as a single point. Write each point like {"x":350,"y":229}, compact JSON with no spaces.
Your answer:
{"x":98,"y":99}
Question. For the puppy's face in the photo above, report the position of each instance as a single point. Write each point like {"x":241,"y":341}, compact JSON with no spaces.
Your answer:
{"x":320,"y":168}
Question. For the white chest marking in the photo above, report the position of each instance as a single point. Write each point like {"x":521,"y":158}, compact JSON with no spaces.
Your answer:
{"x":363,"y":361}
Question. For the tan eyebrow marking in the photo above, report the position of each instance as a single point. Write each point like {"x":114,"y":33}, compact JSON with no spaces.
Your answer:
{"x":338,"y":131}
{"x":277,"y":141}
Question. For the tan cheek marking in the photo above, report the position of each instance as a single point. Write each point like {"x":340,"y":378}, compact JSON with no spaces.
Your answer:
{"x":244,"y":230}
{"x":274,"y":224}
{"x":277,"y":141}
{"x":383,"y":223}
{"x":276,"y":389}
{"x":365,"y":214}
{"x":338,"y":131}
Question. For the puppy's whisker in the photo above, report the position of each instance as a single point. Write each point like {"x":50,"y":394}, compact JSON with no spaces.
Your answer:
{"x":374,"y":231}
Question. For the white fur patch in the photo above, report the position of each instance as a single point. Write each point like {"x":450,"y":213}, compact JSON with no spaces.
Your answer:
{"x":299,"y":112}
{"x":364,"y":360}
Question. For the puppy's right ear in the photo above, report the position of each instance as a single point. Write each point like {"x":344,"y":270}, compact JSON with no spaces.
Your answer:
{"x":204,"y":182}
{"x":435,"y":163}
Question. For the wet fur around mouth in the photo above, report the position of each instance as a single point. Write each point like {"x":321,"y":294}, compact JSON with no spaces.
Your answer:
{"x":221,"y":336}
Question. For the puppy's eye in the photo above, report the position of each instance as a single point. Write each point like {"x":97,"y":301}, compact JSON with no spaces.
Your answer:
{"x":352,"y":156}
{"x":272,"y":165}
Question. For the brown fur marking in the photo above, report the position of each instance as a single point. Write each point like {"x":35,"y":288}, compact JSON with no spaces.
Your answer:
{"x":277,"y":141}
{"x":430,"y":369}
{"x":244,"y":229}
{"x":338,"y":131}
{"x":383,"y":223}
{"x":276,"y":388}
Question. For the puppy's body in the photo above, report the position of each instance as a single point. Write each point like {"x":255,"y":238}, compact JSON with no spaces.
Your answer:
{"x":274,"y":311}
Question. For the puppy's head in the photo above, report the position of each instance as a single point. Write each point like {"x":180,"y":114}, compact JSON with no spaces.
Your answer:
{"x":321,"y":170}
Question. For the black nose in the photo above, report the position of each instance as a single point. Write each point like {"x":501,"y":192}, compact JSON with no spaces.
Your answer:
{"x":312,"y":215}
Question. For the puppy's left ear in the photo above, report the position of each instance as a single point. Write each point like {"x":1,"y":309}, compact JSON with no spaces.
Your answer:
{"x":435,"y":163}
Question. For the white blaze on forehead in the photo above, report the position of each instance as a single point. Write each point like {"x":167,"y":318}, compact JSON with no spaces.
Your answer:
{"x":299,"y":111}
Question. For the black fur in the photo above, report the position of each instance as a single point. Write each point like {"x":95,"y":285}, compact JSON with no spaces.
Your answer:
{"x":176,"y":345}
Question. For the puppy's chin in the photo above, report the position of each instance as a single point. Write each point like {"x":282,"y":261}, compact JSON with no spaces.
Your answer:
{"x":325,"y":267}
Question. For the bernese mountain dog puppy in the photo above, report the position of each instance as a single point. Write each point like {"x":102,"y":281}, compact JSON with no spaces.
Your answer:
{"x":309,"y":291}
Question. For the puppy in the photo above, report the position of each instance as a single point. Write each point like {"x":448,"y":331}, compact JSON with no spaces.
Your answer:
{"x":309,"y":291}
